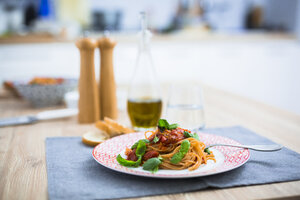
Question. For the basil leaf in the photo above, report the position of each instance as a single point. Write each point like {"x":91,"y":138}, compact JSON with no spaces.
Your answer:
{"x":152,"y":164}
{"x":176,"y":158}
{"x":172,"y":126}
{"x":134,"y":146}
{"x":187,"y":134}
{"x":207,"y":151}
{"x":196,"y":136}
{"x":128,"y":163}
{"x":141,"y":148}
{"x":184,"y":148}
{"x":155,"y":140}
{"x":163,"y":124}
{"x":154,"y":170}
{"x":160,"y":158}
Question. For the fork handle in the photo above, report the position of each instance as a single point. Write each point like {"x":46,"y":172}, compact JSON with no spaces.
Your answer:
{"x":268,"y":147}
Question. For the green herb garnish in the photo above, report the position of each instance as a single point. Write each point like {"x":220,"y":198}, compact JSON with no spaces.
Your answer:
{"x":129,"y":163}
{"x":155,"y":140}
{"x":184,"y":148}
{"x":163,"y":124}
{"x":141,"y":148}
{"x":196,"y":136}
{"x":172,"y":126}
{"x":136,"y":144}
{"x":207,"y":151}
{"x":152,"y":164}
{"x":188,"y":134}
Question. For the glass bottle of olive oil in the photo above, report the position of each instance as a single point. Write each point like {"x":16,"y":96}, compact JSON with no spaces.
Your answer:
{"x":144,"y":103}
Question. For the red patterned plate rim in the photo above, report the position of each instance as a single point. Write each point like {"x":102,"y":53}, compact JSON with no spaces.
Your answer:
{"x":228,"y":158}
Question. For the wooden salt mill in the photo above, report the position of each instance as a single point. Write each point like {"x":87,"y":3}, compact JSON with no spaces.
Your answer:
{"x":88,"y":105}
{"x":108,"y":98}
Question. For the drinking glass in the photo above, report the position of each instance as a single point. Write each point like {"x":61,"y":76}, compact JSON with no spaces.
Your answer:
{"x":185,"y":106}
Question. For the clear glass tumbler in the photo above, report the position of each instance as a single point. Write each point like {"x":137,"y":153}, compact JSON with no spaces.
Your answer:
{"x":185,"y":106}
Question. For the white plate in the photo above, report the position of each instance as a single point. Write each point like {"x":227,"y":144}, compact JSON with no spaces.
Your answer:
{"x":227,"y":158}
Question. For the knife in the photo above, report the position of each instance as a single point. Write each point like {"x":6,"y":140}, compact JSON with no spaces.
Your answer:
{"x":46,"y":115}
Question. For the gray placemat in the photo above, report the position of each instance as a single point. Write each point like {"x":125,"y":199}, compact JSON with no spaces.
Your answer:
{"x":74,"y":174}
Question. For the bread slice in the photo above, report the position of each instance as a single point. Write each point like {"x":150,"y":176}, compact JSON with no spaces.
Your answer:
{"x":112,"y":128}
{"x":118,"y":128}
{"x":103,"y":126}
{"x":93,"y":138}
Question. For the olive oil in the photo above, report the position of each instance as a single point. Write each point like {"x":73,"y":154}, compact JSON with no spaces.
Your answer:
{"x":144,"y":113}
{"x":144,"y":103}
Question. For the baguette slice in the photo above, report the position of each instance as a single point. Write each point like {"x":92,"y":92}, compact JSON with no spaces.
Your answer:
{"x":119,"y":128}
{"x":103,"y":126}
{"x":93,"y":138}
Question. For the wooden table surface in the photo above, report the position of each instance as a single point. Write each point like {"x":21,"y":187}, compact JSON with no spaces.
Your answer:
{"x":22,"y":148}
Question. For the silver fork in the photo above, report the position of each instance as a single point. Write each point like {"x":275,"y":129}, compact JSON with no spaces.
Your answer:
{"x":267,"y":147}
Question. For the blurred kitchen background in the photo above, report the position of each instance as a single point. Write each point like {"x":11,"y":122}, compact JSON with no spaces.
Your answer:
{"x":247,"y":47}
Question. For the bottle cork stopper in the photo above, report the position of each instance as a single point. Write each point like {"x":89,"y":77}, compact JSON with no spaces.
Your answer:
{"x":88,"y":105}
{"x":107,"y":87}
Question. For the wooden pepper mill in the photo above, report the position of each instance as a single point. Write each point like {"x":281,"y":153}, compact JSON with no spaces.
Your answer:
{"x":107,"y":86}
{"x":88,"y":105}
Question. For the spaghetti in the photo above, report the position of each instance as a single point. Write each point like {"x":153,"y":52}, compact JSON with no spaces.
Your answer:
{"x":172,"y":148}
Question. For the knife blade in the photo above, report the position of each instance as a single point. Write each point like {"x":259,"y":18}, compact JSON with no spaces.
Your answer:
{"x":46,"y":115}
{"x":17,"y":120}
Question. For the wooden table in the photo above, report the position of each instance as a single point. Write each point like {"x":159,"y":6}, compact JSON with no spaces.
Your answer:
{"x":22,"y":148}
